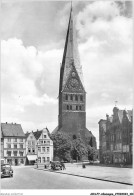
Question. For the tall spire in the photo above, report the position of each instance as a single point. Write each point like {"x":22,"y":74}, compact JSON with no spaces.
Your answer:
{"x":70,"y":54}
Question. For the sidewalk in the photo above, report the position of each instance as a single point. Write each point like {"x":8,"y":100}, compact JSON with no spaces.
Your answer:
{"x":122,"y":175}
{"x":111,"y":174}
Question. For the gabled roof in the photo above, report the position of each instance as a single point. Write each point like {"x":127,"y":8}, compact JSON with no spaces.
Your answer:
{"x":27,"y":134}
{"x":12,"y":130}
{"x":37,"y":133}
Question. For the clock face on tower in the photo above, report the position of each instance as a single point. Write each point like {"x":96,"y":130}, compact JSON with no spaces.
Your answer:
{"x":73,"y":83}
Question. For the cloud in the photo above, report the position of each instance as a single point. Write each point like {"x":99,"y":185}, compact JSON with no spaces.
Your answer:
{"x":29,"y":78}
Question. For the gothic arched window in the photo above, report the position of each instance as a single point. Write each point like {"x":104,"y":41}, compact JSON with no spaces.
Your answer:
{"x":81,"y":97}
{"x":76,"y":97}
{"x":71,"y":97}
{"x":66,"y":97}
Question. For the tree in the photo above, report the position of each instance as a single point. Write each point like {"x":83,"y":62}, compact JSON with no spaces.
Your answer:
{"x":62,"y":145}
{"x":91,"y":153}
{"x":78,"y":148}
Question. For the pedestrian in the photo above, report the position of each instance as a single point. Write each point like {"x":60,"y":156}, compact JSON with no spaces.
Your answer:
{"x":62,"y":165}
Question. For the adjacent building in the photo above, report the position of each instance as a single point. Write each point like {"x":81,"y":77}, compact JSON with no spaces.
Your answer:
{"x":31,"y":148}
{"x":44,"y":146}
{"x":115,"y":138}
{"x":13,"y":143}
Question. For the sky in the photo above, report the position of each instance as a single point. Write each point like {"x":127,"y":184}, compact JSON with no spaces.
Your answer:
{"x":33,"y":37}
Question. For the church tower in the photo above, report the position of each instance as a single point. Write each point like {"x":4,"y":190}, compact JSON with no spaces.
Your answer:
{"x":72,"y":95}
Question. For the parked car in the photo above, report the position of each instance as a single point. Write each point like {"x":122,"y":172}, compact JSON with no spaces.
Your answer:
{"x":6,"y":170}
{"x":56,"y":165}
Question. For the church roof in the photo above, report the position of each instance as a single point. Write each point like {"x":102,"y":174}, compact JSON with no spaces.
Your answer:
{"x":70,"y":55}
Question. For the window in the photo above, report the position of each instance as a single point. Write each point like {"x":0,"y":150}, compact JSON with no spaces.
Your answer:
{"x":21,"y":140}
{"x":21,"y":145}
{"x":44,"y":142}
{"x":48,"y":142}
{"x":70,"y":107}
{"x":80,"y":107}
{"x":43,"y":149}
{"x":48,"y":149}
{"x":66,"y":97}
{"x":43,"y":159}
{"x":81,"y":97}
{"x":39,"y":149}
{"x":29,"y":150}
{"x":8,"y":145}
{"x":22,"y":161}
{"x":31,"y":137}
{"x":9,"y":139}
{"x":33,"y":150}
{"x":41,"y":141}
{"x":67,"y":107}
{"x":29,"y":143}
{"x":33,"y":142}
{"x":76,"y":97}
{"x":45,"y":136}
{"x":15,"y":153}
{"x":9,"y":153}
{"x":48,"y":158}
{"x":76,"y":107}
{"x":15,"y":145}
{"x":39,"y":159}
{"x":15,"y":139}
{"x":21,"y":154}
{"x":71,"y":97}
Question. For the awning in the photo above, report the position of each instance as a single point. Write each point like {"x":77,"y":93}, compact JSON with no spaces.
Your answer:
{"x":32,"y":157}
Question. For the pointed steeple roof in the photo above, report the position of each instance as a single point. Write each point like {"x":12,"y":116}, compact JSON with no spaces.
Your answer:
{"x":70,"y":55}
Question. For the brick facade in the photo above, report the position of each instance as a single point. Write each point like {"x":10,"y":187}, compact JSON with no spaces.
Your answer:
{"x":115,"y":137}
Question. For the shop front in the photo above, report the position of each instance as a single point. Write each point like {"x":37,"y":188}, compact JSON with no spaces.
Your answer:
{"x":31,"y":159}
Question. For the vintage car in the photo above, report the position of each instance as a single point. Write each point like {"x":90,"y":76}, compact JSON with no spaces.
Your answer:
{"x":56,"y":165}
{"x":6,"y":170}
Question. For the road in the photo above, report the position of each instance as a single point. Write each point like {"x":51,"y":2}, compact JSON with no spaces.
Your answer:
{"x":29,"y":178}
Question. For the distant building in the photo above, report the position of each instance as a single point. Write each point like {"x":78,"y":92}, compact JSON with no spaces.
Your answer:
{"x":115,"y":137}
{"x":44,"y":146}
{"x":31,"y":148}
{"x":2,"y":146}
{"x":14,"y":143}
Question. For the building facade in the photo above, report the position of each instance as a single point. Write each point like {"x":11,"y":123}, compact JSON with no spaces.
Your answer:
{"x":115,"y":137}
{"x":44,"y":146}
{"x":31,"y":148}
{"x":13,"y":143}
{"x":2,"y":146}
{"x":72,"y":94}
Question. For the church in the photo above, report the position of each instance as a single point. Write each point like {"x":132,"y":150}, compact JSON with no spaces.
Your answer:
{"x":72,"y":93}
